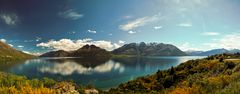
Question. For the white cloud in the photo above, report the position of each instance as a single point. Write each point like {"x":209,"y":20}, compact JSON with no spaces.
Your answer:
{"x":9,"y":19}
{"x":121,"y":42}
{"x":33,"y":53}
{"x":187,"y":24}
{"x":157,"y":27}
{"x":132,"y":32}
{"x":38,"y":39}
{"x":71,"y":14}
{"x":72,"y":32}
{"x":92,"y":31}
{"x":70,"y":45}
{"x":27,"y":52}
{"x":3,"y":40}
{"x":20,"y":46}
{"x":188,"y":47}
{"x":10,"y":45}
{"x":36,"y":53}
{"x":211,"y":33}
{"x":230,"y":41}
{"x":28,"y":40}
{"x":138,"y":23}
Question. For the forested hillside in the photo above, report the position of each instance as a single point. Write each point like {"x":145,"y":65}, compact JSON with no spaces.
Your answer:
{"x":218,"y":74}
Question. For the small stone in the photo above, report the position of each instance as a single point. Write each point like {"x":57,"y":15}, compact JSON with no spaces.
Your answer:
{"x":91,"y":91}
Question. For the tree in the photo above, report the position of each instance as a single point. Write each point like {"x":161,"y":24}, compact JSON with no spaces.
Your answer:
{"x":221,"y":60}
{"x":172,"y":71}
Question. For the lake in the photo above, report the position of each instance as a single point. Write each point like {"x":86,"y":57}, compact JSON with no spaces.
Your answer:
{"x":103,"y":74}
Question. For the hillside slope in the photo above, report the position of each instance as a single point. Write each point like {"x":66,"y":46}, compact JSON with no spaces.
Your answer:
{"x":218,"y":74}
{"x":8,"y":53}
{"x":59,"y":53}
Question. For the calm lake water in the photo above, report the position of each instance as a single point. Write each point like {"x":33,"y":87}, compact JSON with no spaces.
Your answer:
{"x":103,"y":74}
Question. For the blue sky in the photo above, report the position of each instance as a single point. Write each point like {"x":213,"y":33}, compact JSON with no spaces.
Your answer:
{"x":42,"y":25}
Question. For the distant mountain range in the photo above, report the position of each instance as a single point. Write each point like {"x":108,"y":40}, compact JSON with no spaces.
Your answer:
{"x":7,"y":53}
{"x":211,"y":52}
{"x":136,"y":49}
{"x":90,"y":51}
{"x":150,"y":49}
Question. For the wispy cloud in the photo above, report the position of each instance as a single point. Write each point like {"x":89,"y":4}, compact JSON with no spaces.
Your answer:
{"x":9,"y":19}
{"x":157,"y":27}
{"x":38,"y":39}
{"x":71,"y":14}
{"x":138,"y":23}
{"x":92,"y":31}
{"x":185,"y":24}
{"x":127,"y":17}
{"x":20,"y":46}
{"x":188,"y":47}
{"x":28,"y":40}
{"x":230,"y":41}
{"x":132,"y":32}
{"x":70,"y":45}
{"x":210,"y":33}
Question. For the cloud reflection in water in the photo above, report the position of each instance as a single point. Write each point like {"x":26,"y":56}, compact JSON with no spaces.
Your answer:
{"x":70,"y":67}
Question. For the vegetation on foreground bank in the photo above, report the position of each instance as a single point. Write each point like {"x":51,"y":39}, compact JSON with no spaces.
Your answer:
{"x":218,"y":74}
{"x":13,"y":84}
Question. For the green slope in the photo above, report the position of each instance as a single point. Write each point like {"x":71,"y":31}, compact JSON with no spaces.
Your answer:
{"x":7,"y":53}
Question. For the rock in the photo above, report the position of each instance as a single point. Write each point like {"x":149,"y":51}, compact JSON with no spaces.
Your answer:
{"x":91,"y":91}
{"x":65,"y":88}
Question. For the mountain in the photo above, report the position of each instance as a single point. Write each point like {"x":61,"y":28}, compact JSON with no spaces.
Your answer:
{"x":151,"y":49}
{"x":87,"y":51}
{"x":212,"y":52}
{"x":91,"y":51}
{"x":8,"y":53}
{"x":234,"y":51}
{"x":59,"y":53}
